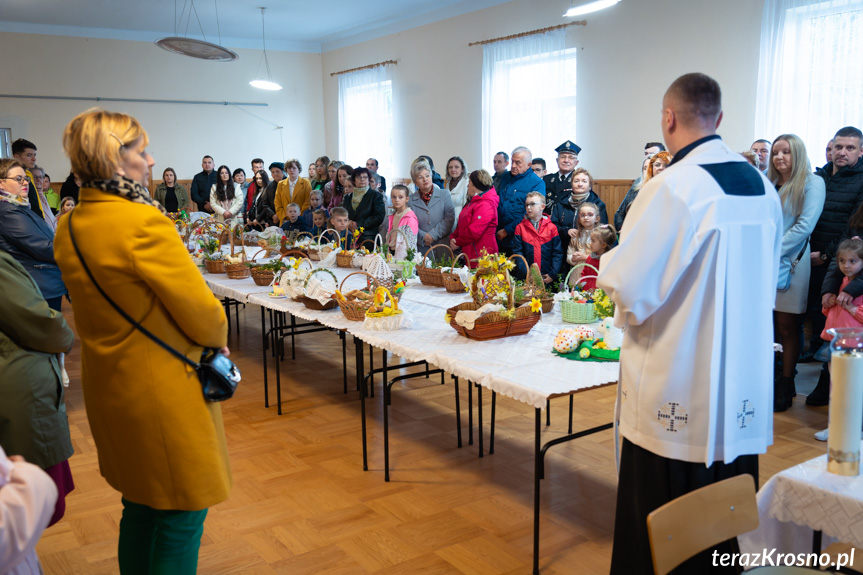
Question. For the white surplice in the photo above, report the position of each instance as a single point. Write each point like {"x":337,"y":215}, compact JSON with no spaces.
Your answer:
{"x":694,"y":281}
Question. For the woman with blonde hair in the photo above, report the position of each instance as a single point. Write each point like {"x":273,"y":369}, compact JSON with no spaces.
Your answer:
{"x":433,"y":207}
{"x":456,"y":184}
{"x":802,"y":194}
{"x":160,"y":443}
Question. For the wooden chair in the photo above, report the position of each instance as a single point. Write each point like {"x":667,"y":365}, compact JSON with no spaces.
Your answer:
{"x":701,"y":519}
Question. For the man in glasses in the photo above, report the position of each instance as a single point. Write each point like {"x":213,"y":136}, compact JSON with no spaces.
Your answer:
{"x":25,"y":152}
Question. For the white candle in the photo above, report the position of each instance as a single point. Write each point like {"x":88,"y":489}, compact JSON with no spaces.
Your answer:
{"x":846,"y":413}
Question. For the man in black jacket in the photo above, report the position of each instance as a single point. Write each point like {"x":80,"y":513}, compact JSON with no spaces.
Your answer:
{"x":843,"y":178}
{"x":25,"y":152}
{"x":201,"y":184}
{"x":557,"y":185}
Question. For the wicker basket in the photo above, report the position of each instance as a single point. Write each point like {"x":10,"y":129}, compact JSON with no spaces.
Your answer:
{"x":344,"y":259}
{"x":573,"y":312}
{"x":355,"y":310}
{"x":494,"y":325}
{"x":532,"y":290}
{"x":380,"y":321}
{"x":432,"y":276}
{"x":312,"y":303}
{"x":317,"y":254}
{"x":451,"y":281}
{"x":259,"y":276}
{"x":214,"y":266}
{"x":238,"y":271}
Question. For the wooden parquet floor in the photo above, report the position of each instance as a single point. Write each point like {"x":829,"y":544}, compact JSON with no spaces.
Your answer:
{"x":301,"y":503}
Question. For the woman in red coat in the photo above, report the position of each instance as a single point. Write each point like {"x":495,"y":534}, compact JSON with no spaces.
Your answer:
{"x":478,"y":220}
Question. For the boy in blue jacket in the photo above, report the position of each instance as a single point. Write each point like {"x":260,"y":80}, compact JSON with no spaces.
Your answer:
{"x":536,"y":239}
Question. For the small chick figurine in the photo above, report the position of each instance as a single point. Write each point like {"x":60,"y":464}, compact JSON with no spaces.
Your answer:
{"x":612,"y":336}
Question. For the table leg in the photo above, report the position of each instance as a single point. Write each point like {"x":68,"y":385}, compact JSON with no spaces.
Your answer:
{"x":537,"y":462}
{"x":547,"y":412}
{"x":293,"y":336}
{"x":358,"y":346}
{"x":491,"y":435}
{"x":479,"y":418}
{"x":384,"y":360}
{"x":344,"y":339}
{"x":816,"y":542}
{"x":372,"y":370}
{"x":457,"y":411}
{"x":387,"y":394}
{"x":227,"y":307}
{"x":469,"y":412}
{"x":264,"y":349}
{"x":570,"y":413}
{"x":279,"y":378}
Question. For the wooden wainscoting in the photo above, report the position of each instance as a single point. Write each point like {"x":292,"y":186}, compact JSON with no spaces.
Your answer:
{"x":612,"y":193}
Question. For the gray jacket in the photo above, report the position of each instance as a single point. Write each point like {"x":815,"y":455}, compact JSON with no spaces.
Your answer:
{"x":435,"y":219}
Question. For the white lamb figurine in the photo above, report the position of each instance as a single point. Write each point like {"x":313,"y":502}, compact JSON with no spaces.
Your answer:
{"x":612,"y":336}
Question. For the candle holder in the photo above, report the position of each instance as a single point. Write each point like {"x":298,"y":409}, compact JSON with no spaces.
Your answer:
{"x":846,"y":400}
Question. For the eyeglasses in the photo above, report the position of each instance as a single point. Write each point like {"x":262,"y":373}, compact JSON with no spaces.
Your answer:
{"x":19,"y":179}
{"x":532,"y":204}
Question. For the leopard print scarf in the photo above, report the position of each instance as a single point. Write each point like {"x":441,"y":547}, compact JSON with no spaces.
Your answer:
{"x":129,"y":189}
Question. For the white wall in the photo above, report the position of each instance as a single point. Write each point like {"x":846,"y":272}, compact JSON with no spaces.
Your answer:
{"x":180,"y":134}
{"x":628,"y":56}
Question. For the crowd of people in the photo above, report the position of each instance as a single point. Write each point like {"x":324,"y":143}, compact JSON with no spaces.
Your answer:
{"x":555,"y":220}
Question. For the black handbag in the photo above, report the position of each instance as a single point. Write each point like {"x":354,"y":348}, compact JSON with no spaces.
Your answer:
{"x":219,"y":375}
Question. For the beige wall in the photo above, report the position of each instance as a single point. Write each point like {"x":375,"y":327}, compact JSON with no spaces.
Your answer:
{"x":180,"y":134}
{"x":628,"y":55}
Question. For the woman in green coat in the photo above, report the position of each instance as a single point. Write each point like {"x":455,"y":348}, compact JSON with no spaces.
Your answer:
{"x":172,"y":195}
{"x":33,"y":419}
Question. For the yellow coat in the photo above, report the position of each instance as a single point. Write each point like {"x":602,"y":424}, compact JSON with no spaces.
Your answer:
{"x":159,"y":442}
{"x":302,"y":195}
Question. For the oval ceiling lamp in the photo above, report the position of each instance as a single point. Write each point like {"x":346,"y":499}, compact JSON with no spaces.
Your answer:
{"x":192,"y":47}
{"x":589,"y":8}
{"x":260,"y":82}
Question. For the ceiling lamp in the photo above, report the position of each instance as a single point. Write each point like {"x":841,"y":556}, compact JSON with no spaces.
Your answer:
{"x":192,"y":47}
{"x":259,"y":82}
{"x":590,"y":7}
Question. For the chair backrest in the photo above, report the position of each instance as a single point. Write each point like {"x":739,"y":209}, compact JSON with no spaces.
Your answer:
{"x":701,"y":519}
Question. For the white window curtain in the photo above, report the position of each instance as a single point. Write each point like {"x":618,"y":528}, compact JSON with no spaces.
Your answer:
{"x":528,"y":95}
{"x":366,"y":117}
{"x":810,"y":80}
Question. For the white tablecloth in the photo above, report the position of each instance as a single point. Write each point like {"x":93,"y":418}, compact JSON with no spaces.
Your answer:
{"x":803,"y":498}
{"x":521,"y":367}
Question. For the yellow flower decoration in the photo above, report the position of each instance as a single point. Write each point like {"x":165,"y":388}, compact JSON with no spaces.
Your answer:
{"x":297,"y":263}
{"x":535,"y":305}
{"x":447,"y":318}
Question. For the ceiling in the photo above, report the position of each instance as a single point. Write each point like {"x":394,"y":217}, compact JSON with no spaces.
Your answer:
{"x":291,"y":25}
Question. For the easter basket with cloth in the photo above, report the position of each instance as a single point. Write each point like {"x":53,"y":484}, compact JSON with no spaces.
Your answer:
{"x":384,"y":314}
{"x":317,"y":292}
{"x":432,"y":274}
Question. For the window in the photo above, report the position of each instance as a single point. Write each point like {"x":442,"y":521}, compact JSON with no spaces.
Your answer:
{"x":528,"y":94}
{"x":366,"y":117}
{"x":810,"y":74}
{"x":5,"y":142}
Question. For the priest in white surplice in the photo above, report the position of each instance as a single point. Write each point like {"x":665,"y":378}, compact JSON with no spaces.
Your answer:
{"x":694,"y":281}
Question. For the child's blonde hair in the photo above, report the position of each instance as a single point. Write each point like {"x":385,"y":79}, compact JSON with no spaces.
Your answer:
{"x":590,"y":205}
{"x":293,"y":205}
{"x":339,"y":212}
{"x":606,"y":234}
{"x":536,"y":195}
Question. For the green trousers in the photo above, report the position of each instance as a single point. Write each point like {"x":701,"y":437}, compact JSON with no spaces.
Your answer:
{"x":159,"y":542}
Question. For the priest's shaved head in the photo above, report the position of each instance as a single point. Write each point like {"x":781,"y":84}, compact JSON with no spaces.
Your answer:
{"x":692,"y":106}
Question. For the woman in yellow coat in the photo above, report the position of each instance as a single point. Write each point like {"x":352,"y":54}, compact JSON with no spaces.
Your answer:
{"x":159,"y":442}
{"x":292,"y":190}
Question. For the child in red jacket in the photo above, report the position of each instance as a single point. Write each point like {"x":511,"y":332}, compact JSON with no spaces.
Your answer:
{"x":537,"y":239}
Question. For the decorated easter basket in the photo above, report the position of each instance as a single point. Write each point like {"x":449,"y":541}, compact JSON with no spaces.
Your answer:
{"x":431,"y":275}
{"x":355,"y":303}
{"x":264,"y":276}
{"x":292,"y":280}
{"x":237,"y":270}
{"x":383,"y":317}
{"x":319,"y":251}
{"x":495,"y":325}
{"x":314,"y":290}
{"x":533,"y":287}
{"x":452,"y":281}
{"x":574,"y":312}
